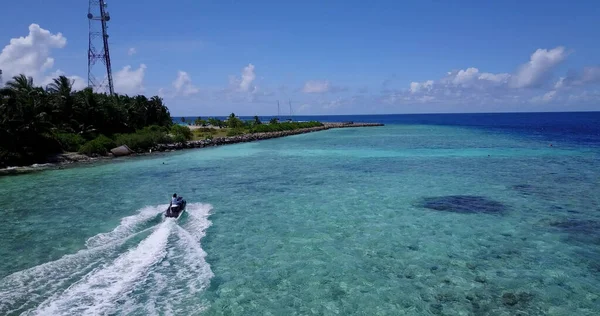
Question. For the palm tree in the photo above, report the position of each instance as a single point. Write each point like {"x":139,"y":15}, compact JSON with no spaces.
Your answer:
{"x":8,"y":103}
{"x":32,"y":119}
{"x":62,"y":86}
{"x":215,"y":122}
{"x":234,"y":122}
{"x":21,"y":83}
{"x":25,"y":122}
{"x":158,"y":114}
{"x":22,"y":92}
{"x":85,"y":111}
{"x":61,"y":90}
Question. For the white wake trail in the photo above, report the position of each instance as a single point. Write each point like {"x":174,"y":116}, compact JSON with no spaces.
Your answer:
{"x":164,"y":274}
{"x":28,"y":287}
{"x":127,"y":226}
{"x":174,"y":287}
{"x":35,"y":284}
{"x":198,"y":223}
{"x":98,"y":290}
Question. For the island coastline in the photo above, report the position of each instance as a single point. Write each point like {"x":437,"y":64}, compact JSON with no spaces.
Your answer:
{"x":74,"y":159}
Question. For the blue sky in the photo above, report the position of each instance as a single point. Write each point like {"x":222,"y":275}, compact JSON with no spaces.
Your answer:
{"x":328,"y":57}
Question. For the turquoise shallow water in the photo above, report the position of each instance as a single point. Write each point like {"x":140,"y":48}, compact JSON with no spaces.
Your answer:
{"x":327,"y":223}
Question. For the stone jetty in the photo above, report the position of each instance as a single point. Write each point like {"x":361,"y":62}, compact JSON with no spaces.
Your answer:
{"x":257,"y":136}
{"x":58,"y":160}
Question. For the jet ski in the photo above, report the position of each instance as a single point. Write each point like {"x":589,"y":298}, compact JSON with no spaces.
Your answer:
{"x":175,"y":210}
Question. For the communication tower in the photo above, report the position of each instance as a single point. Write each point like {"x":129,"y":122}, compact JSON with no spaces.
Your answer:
{"x":99,"y":80}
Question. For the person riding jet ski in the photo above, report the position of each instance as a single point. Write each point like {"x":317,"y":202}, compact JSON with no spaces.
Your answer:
{"x":175,"y":200}
{"x":176,"y":207}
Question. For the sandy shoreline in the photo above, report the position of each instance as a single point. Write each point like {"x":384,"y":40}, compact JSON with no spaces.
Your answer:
{"x":74,"y":159}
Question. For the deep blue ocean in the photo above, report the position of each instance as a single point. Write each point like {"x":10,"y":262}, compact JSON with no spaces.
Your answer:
{"x":450,"y":214}
{"x":579,"y":127}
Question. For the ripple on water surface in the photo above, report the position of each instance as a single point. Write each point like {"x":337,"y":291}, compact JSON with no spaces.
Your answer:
{"x":400,"y":220}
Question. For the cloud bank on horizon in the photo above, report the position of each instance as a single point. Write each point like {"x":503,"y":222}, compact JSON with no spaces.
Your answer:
{"x":534,"y":84}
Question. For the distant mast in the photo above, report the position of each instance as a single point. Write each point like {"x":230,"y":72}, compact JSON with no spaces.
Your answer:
{"x":278,"y":109}
{"x":290,"y":109}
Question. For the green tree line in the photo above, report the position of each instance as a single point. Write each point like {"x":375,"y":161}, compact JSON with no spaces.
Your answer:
{"x":38,"y":121}
{"x":239,"y":127}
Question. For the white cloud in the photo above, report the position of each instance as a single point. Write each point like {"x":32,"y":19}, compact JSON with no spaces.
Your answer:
{"x":545,"y":98}
{"x":316,"y":86}
{"x":592,"y":96}
{"x":321,"y":86}
{"x":248,"y":77}
{"x":241,"y":90}
{"x":244,"y":83}
{"x":495,"y":78}
{"x":333,"y":104}
{"x":183,"y":84}
{"x":419,"y":86}
{"x":426,"y":98}
{"x":465,"y":76}
{"x":472,"y":77}
{"x":560,"y":83}
{"x":549,"y":95}
{"x":471,"y":89}
{"x":132,"y":51}
{"x":590,"y":75}
{"x":472,"y":86}
{"x":30,"y":55}
{"x":128,"y":81}
{"x":540,"y":64}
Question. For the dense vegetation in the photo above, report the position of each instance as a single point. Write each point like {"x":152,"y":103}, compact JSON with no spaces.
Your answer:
{"x":285,"y":126}
{"x":234,"y":126}
{"x":38,"y":121}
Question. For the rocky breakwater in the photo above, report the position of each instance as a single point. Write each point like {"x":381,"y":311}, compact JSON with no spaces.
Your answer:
{"x":235,"y":139}
{"x":256,"y":136}
{"x":76,"y":158}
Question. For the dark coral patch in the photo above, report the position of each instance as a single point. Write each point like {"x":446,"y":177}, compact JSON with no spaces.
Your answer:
{"x":575,"y":226}
{"x":464,"y":204}
{"x":534,"y":190}
{"x":578,"y":230}
{"x":526,"y":189}
{"x":582,"y":231}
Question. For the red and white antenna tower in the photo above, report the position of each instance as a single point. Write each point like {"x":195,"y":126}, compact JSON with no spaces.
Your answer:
{"x":98,"y":17}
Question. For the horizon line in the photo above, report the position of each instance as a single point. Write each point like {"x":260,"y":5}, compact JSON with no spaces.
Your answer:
{"x":386,"y":114}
